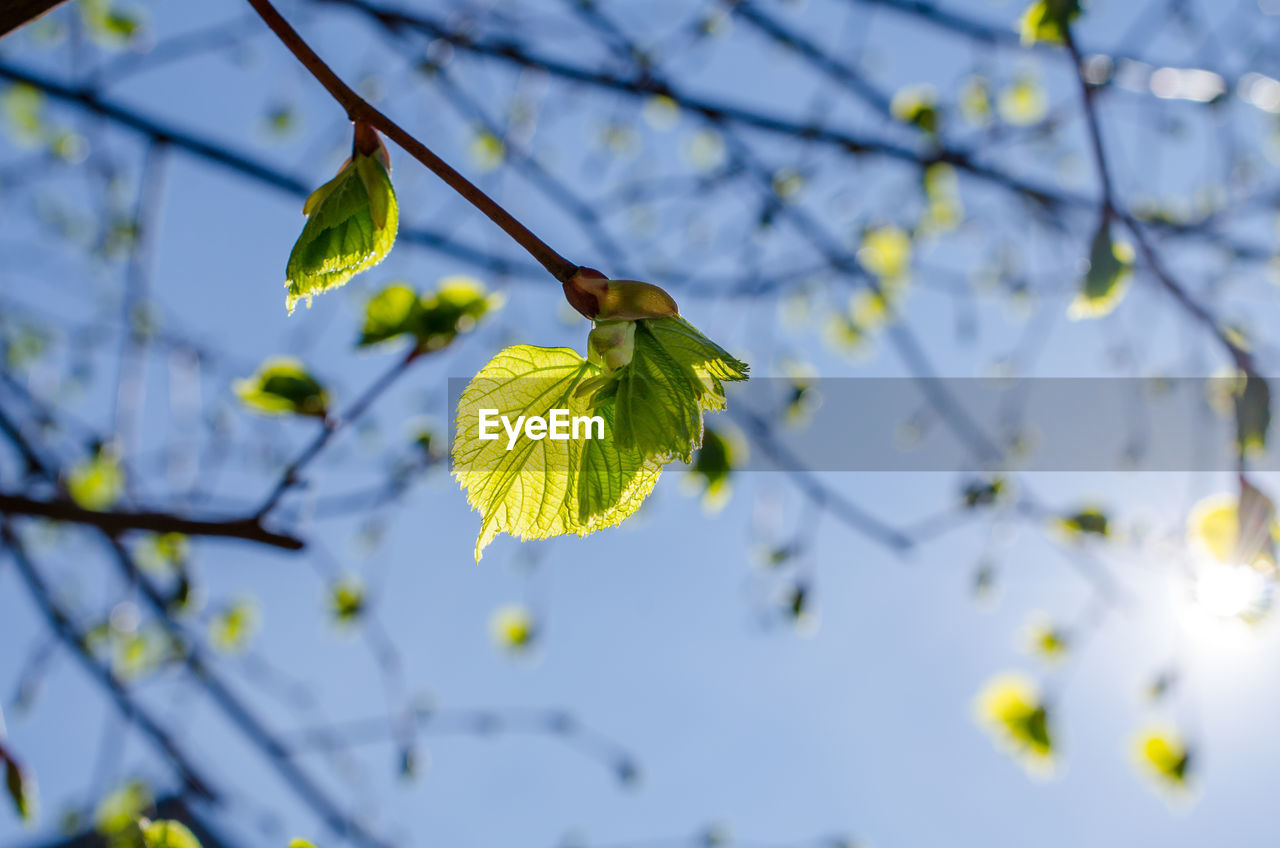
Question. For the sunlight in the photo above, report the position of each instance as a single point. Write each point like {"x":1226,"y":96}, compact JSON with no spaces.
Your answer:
{"x":1232,"y":591}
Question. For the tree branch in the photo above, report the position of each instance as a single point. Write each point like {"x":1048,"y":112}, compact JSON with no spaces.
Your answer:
{"x":114,"y":523}
{"x":16,"y":13}
{"x":360,"y":110}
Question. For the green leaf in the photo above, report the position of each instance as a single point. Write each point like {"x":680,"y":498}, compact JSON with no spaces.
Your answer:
{"x":513,"y":628}
{"x":1107,"y":280}
{"x":544,"y":487}
{"x":282,"y":386}
{"x":23,"y":109}
{"x":433,"y":319}
{"x":21,"y":787}
{"x":234,"y":626}
{"x":347,"y":600}
{"x":917,"y":105}
{"x":120,"y":810}
{"x":1048,"y":21}
{"x":97,"y":483}
{"x":1088,"y":521}
{"x":1253,"y":414}
{"x":166,"y":833}
{"x":675,"y":374}
{"x":351,"y":227}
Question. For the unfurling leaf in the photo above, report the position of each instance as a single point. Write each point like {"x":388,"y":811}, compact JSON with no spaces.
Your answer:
{"x":351,"y":227}
{"x":675,"y":374}
{"x":1104,"y":285}
{"x":544,"y":487}
{"x":282,"y":386}
{"x":168,"y":834}
{"x":97,"y":483}
{"x":1011,"y":709}
{"x":1048,"y":20}
{"x":433,"y":319}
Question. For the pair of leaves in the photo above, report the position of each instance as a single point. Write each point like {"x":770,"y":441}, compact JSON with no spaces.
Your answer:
{"x":282,"y":386}
{"x":432,"y":320}
{"x":351,"y":227}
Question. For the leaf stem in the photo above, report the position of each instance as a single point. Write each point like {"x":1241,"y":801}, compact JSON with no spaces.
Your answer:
{"x":360,"y":110}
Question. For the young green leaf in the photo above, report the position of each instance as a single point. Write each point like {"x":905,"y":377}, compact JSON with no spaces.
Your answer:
{"x":351,"y":227}
{"x":1110,"y":265}
{"x":544,"y":487}
{"x":282,"y":386}
{"x":432,"y":320}
{"x":347,"y":600}
{"x":1048,"y":20}
{"x":168,"y":834}
{"x":513,"y":629}
{"x":675,"y":374}
{"x":1012,"y":710}
{"x":232,"y":627}
{"x":1163,"y":755}
{"x":1253,"y":414}
{"x":20,"y":785}
{"x":97,"y":483}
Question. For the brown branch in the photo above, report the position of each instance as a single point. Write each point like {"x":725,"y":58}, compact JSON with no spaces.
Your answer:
{"x":117,"y":522}
{"x":16,"y":13}
{"x":360,"y":111}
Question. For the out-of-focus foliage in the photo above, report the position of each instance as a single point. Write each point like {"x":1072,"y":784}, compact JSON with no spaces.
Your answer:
{"x":97,"y":482}
{"x":283,"y":386}
{"x":1011,"y":708}
{"x":432,"y":319}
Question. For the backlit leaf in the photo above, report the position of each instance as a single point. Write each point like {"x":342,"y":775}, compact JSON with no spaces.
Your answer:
{"x":513,"y":628}
{"x":1010,"y":708}
{"x":1104,"y":285}
{"x":282,"y":386}
{"x":543,"y":487}
{"x":433,"y":319}
{"x":1047,"y":20}
{"x":1163,"y":755}
{"x":351,"y":227}
{"x":675,"y":374}
{"x":97,"y":483}
{"x":168,"y":834}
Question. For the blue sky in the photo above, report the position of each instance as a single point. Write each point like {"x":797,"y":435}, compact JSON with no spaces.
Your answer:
{"x":662,"y":635}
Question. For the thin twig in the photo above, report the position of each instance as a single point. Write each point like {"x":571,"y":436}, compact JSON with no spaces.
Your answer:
{"x":360,"y":110}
